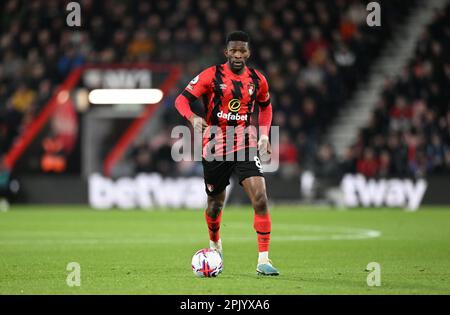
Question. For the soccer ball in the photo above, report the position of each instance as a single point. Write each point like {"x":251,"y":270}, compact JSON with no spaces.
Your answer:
{"x":207,"y":263}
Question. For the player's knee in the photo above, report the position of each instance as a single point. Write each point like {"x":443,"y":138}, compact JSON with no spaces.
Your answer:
{"x":260,"y":203}
{"x":217,"y":206}
{"x":214,"y":207}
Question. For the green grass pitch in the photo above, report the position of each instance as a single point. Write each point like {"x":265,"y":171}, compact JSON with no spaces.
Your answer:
{"x":317,"y":250}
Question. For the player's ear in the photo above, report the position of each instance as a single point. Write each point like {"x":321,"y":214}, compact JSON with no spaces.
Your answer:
{"x":225,"y":52}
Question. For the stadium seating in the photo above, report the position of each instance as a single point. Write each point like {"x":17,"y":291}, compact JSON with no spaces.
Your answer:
{"x":409,"y":132}
{"x":313,"y":52}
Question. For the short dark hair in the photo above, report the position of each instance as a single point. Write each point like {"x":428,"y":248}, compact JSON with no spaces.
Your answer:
{"x":240,"y":36}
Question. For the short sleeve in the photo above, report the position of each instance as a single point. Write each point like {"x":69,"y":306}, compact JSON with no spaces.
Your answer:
{"x":263,"y":97}
{"x":199,"y":85}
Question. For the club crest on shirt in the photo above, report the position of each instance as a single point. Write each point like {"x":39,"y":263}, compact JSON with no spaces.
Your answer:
{"x":251,"y":89}
{"x":223,"y":86}
{"x":194,"y":80}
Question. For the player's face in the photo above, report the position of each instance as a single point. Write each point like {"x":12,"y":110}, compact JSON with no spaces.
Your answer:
{"x":237,"y":53}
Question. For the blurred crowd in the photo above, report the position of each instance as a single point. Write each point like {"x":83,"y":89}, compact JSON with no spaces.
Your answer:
{"x":409,"y":131}
{"x":313,"y":52}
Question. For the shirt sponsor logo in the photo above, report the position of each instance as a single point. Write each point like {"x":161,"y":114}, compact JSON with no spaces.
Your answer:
{"x":234,"y":105}
{"x":231,"y":116}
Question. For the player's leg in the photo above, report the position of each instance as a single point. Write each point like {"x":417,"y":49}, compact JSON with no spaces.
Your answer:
{"x":255,"y":187}
{"x":217,"y":177}
{"x":213,"y":216}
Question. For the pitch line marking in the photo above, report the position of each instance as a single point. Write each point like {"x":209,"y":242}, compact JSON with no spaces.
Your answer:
{"x":335,"y":233}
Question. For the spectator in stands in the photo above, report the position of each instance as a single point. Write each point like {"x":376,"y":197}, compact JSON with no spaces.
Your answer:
{"x":326,"y":164}
{"x":384,"y":166}
{"x":69,"y":61}
{"x":367,"y":165}
{"x":400,"y":114}
{"x":22,"y":99}
{"x":316,"y":47}
{"x":141,"y":46}
{"x":348,"y":163}
{"x":436,"y":153}
{"x":143,"y":159}
{"x":311,"y":119}
{"x":288,"y":156}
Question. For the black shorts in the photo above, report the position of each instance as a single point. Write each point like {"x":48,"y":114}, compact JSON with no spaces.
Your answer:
{"x":217,"y":173}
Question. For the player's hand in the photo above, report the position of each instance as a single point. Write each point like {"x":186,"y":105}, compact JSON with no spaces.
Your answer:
{"x":198,"y":123}
{"x":264,"y":145}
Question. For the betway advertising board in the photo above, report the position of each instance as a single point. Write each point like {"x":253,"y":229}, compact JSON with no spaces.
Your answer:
{"x":146,"y":191}
{"x":149,"y":191}
{"x":359,"y":191}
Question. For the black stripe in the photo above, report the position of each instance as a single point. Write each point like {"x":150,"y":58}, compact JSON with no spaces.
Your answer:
{"x":205,"y":104}
{"x":255,"y":80}
{"x":263,"y":233}
{"x":237,"y":94}
{"x":251,"y":105}
{"x":237,"y":86}
{"x":213,"y":230}
{"x":191,"y":98}
{"x":218,"y":94}
{"x":264,"y":104}
{"x":217,"y":99}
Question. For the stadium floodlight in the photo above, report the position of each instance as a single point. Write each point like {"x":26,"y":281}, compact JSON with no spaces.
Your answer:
{"x":125,"y":96}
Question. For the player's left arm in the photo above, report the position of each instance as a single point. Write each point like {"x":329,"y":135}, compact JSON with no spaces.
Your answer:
{"x":265,"y":116}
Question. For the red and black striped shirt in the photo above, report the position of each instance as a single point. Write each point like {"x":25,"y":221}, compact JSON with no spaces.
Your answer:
{"x":229,"y":101}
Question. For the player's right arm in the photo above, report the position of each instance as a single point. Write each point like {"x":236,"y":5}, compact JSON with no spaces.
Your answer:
{"x":198,"y":86}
